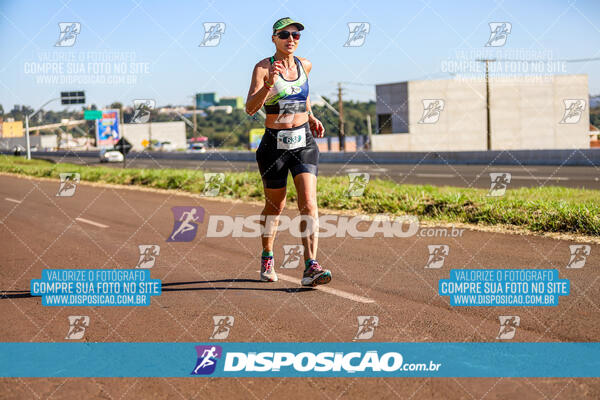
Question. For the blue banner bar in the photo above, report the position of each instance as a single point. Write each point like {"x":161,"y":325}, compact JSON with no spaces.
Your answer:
{"x":365,"y":359}
{"x":504,"y":287}
{"x":95,"y":287}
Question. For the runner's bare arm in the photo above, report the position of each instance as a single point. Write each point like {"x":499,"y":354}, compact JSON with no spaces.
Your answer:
{"x":258,"y":92}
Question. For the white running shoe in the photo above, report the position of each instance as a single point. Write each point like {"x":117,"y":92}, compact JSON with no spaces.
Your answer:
{"x":267,"y":271}
{"x":315,"y":275}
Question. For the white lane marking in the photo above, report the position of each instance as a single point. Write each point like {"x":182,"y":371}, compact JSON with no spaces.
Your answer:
{"x":326,"y":289}
{"x":551,"y":178}
{"x":365,"y":169}
{"x":435,"y":175}
{"x":13,"y":200}
{"x":87,"y":221}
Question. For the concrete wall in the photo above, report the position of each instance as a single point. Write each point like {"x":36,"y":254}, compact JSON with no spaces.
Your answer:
{"x":462,"y":122}
{"x":173,"y":132}
{"x":9,"y":144}
{"x":524,"y":115}
{"x":527,"y":115}
{"x":48,"y":141}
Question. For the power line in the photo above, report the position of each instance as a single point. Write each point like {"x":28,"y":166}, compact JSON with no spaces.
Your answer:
{"x":571,"y":60}
{"x":359,"y":83}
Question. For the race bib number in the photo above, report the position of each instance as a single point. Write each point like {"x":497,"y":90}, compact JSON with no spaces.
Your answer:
{"x":291,"y":139}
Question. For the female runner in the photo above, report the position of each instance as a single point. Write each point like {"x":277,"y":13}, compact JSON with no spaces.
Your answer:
{"x":280,"y":83}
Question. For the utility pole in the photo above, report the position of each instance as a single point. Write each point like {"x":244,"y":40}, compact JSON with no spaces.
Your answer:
{"x":341,"y":119}
{"x":369,"y":132}
{"x":487,"y":101}
{"x":487,"y":87}
{"x":194,"y":119}
{"x":122,"y":134}
{"x":150,"y":132}
{"x":27,"y":136}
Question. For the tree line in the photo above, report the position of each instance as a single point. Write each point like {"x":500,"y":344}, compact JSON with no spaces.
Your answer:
{"x":222,"y":129}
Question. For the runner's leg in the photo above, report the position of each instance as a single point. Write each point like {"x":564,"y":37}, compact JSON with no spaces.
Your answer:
{"x":306,"y":187}
{"x":274,"y":205}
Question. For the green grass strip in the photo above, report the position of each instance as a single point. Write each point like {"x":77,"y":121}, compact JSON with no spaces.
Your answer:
{"x":540,"y":209}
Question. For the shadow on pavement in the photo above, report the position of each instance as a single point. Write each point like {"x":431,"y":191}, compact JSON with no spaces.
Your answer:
{"x":23,"y":294}
{"x":15,"y":294}
{"x":166,"y":288}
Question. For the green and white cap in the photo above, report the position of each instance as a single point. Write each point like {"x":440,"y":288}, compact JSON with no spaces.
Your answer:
{"x":283,"y":22}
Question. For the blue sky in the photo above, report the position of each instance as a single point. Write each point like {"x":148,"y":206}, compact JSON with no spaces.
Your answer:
{"x":407,"y":40}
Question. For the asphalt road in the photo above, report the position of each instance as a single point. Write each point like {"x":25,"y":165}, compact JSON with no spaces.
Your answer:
{"x":431,"y":174}
{"x":102,"y":227}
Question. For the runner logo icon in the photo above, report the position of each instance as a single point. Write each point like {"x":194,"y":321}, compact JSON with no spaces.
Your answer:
{"x":207,"y":359}
{"x":579,"y":254}
{"x":358,"y":33}
{"x":143,"y":108}
{"x":185,"y":226}
{"x":499,"y":32}
{"x":574,"y":109}
{"x":289,"y":108}
{"x":500,"y":181}
{"x":292,"y":255}
{"x":148,"y":254}
{"x":366,"y":326}
{"x":508,"y":327}
{"x":212,"y":183}
{"x":68,"y":184}
{"x":68,"y":33}
{"x":432,"y":108}
{"x":437,"y":255}
{"x":77,"y":325}
{"x":212,"y":34}
{"x":223,"y":324}
{"x":358,"y":183}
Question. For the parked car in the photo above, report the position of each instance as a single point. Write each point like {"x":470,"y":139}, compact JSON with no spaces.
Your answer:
{"x":167,"y":146}
{"x":18,"y":150}
{"x":196,"y":148}
{"x":110,"y":155}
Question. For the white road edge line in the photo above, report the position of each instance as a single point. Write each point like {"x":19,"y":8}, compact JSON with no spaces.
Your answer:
{"x":13,"y":200}
{"x":434,"y":175}
{"x":335,"y":292}
{"x":548,"y":178}
{"x":87,"y":221}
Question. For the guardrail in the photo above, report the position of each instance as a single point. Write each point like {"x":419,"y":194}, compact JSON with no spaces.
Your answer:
{"x":571,"y":157}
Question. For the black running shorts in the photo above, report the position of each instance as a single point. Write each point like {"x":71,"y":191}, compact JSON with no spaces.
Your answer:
{"x":283,"y":150}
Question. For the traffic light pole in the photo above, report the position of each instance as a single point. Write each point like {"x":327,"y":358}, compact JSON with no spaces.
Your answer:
{"x":27,"y":125}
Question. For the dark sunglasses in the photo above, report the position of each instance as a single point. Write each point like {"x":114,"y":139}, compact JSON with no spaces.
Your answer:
{"x":286,"y":34}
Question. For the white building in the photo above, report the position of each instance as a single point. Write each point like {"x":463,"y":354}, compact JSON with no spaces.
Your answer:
{"x":173,"y":132}
{"x":226,"y":109}
{"x":523,"y":114}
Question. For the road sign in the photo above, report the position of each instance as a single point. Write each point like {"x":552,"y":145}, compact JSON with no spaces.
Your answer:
{"x":92,"y":114}
{"x":72,"y":97}
{"x":256,"y":135}
{"x":107,"y":129}
{"x":123,"y":146}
